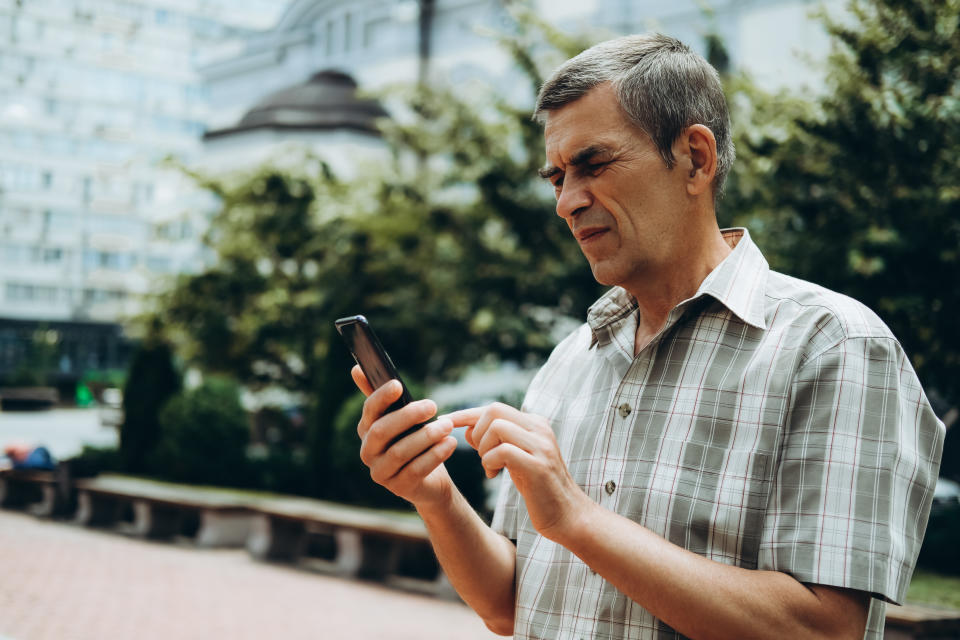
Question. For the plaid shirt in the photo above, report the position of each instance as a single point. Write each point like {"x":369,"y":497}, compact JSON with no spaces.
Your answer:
{"x":772,"y":424}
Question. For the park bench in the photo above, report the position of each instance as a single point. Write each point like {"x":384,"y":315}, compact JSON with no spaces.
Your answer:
{"x":919,"y":622}
{"x":158,"y":510}
{"x":391,"y":547}
{"x":28,"y":398}
{"x":42,"y":493}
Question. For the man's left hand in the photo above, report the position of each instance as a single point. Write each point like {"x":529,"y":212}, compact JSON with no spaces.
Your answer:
{"x":526,"y":446}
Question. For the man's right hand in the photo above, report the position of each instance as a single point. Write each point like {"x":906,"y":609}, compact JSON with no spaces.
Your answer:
{"x":411,"y":468}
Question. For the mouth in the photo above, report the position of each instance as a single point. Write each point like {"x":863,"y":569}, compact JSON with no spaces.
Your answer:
{"x":589,"y":234}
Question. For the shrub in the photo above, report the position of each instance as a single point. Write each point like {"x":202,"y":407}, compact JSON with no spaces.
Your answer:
{"x":95,"y":460}
{"x":204,"y":434}
{"x":152,"y":381}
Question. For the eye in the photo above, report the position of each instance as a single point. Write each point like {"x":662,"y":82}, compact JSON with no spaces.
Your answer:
{"x":595,"y":168}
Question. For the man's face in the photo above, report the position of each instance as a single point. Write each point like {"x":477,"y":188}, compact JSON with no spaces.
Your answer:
{"x":622,"y":204}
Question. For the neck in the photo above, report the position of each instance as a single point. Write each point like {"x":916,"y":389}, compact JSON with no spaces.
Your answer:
{"x":659,"y":291}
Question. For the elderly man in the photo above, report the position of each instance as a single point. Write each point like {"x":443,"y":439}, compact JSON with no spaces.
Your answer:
{"x":721,"y":451}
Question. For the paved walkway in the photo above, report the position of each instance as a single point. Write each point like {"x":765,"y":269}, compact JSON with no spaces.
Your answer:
{"x":59,"y":581}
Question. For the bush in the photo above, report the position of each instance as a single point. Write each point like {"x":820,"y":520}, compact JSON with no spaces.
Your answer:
{"x":152,"y":381}
{"x":280,"y":468}
{"x":95,"y":460}
{"x":204,"y":434}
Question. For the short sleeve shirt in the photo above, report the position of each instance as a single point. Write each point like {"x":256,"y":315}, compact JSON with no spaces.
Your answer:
{"x":771,"y":424}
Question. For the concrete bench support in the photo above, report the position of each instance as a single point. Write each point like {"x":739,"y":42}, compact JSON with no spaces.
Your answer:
{"x":224,"y":528}
{"x":155,"y":520}
{"x":97,"y":510}
{"x":49,"y":504}
{"x":361,"y":548}
{"x":276,"y":538}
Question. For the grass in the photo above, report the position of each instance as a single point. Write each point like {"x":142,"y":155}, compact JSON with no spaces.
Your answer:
{"x":934,"y":589}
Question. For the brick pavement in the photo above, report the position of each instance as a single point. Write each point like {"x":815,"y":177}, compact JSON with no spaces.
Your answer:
{"x":59,"y":581}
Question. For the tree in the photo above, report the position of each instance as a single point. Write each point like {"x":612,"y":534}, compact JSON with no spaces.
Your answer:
{"x":152,"y":381}
{"x":859,"y":191}
{"x":456,"y":258}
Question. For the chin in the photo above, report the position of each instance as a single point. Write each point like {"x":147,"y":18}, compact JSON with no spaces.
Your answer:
{"x":606,"y":277}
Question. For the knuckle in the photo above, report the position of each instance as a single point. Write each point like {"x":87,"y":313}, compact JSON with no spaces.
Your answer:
{"x":365,"y":456}
{"x":394,"y":455}
{"x":377,"y":475}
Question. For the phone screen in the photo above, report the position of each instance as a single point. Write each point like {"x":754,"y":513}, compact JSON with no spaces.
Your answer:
{"x":373,"y":359}
{"x":367,"y":350}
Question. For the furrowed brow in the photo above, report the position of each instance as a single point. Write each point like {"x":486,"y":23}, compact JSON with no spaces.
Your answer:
{"x":548,"y":172}
{"x":580,"y":158}
{"x":584,"y":156}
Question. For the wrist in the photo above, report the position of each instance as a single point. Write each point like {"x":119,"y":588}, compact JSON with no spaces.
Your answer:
{"x":440,"y":499}
{"x":571,"y":530}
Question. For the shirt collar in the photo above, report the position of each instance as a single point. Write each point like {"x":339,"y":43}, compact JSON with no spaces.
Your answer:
{"x":738,"y":283}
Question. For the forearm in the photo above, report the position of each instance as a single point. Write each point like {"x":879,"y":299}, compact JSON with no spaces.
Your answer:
{"x":479,"y":562}
{"x":701,"y":598}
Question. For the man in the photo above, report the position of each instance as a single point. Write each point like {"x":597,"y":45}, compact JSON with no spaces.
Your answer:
{"x":721,"y":451}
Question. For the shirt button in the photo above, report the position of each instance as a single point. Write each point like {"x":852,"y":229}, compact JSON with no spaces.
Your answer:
{"x":625,"y":410}
{"x":610,"y":487}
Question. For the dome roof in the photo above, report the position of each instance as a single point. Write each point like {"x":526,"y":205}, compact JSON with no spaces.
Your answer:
{"x":327,"y":100}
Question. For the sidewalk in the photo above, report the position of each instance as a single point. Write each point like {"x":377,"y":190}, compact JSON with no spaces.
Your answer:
{"x":62,"y":582}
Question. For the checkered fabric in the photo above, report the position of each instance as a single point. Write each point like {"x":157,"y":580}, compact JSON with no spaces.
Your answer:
{"x":772,"y":424}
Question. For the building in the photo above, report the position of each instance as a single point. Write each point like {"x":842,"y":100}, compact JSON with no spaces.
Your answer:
{"x":94,"y":94}
{"x":380,"y":42}
{"x":323,"y":114}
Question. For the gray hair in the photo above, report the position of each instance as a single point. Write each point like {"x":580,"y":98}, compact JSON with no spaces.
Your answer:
{"x":662,"y":85}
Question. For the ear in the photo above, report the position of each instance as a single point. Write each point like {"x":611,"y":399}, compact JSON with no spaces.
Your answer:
{"x":698,"y":157}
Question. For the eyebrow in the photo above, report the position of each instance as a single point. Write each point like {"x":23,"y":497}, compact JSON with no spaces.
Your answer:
{"x":579,"y":158}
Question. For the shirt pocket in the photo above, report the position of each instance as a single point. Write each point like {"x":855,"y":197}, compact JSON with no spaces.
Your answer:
{"x":706,"y":498}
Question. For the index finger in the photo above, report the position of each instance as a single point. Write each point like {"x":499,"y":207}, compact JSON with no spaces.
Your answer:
{"x":465,"y":417}
{"x":361,"y":380}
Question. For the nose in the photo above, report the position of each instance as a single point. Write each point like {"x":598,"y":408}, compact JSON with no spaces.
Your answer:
{"x":573,"y":198}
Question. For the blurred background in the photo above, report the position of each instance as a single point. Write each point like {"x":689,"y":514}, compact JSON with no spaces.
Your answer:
{"x":192,"y":191}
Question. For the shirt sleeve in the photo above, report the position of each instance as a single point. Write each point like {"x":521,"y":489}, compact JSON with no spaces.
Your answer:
{"x":859,"y":458}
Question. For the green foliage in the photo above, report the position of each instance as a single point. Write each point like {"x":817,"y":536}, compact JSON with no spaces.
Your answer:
{"x":39,"y":361}
{"x":280,"y":469}
{"x":95,"y":460}
{"x":204,"y":434}
{"x":151,"y":382}
{"x":453,"y":252}
{"x":928,"y":587}
{"x":859,"y":191}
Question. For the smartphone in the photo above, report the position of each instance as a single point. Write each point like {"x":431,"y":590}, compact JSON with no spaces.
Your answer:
{"x":373,"y":360}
